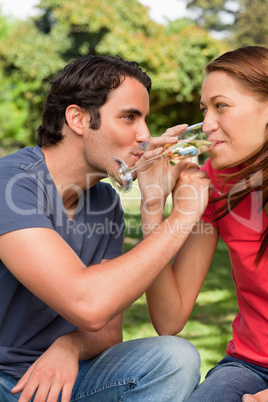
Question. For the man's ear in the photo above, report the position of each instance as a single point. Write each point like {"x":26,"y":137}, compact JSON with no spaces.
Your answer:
{"x":76,"y":119}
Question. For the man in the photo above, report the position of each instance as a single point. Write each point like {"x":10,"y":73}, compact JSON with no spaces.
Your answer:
{"x":63,"y":281}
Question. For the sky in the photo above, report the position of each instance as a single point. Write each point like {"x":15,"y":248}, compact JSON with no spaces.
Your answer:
{"x":160,"y":10}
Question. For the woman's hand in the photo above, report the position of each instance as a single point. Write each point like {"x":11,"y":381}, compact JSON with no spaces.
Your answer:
{"x":191,"y":193}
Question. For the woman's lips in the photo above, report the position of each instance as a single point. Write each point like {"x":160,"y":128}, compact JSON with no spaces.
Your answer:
{"x":217,"y":143}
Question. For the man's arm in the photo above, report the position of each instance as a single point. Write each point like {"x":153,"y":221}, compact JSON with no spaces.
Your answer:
{"x":56,"y":370}
{"x":90,"y":298}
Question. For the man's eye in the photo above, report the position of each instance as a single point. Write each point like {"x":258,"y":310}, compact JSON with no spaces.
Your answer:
{"x":129,"y":116}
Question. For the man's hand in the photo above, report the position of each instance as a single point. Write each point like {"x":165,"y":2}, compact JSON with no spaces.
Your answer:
{"x":55,"y":371}
{"x":191,"y":193}
{"x":261,"y":396}
{"x":158,"y":179}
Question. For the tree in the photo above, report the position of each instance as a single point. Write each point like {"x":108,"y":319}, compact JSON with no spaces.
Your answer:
{"x":251,"y":25}
{"x":242,"y":22}
{"x":174,"y":56}
{"x":214,"y":15}
{"x":11,"y":115}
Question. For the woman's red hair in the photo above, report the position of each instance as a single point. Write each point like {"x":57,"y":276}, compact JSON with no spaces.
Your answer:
{"x":248,"y":65}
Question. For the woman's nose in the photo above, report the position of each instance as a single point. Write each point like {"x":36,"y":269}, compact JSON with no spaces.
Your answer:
{"x":209,"y":127}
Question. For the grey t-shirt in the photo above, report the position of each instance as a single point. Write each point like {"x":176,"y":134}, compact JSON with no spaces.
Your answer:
{"x":29,"y":198}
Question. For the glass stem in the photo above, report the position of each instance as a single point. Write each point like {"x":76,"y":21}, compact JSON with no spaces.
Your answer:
{"x":134,"y":168}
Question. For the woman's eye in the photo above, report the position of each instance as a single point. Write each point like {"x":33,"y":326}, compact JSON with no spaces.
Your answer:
{"x":203,"y":110}
{"x":220,"y":105}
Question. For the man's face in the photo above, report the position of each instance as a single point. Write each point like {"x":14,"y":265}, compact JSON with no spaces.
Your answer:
{"x":123,"y":127}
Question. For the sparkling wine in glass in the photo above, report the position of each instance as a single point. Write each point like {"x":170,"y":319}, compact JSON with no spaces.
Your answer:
{"x":191,"y":142}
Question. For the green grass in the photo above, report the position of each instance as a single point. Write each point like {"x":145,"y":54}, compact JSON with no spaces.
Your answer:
{"x":209,"y":327}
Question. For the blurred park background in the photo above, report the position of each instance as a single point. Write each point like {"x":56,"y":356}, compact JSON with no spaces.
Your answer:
{"x":174,"y":53}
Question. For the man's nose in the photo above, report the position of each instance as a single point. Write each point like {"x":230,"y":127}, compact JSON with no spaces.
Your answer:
{"x":143,"y":134}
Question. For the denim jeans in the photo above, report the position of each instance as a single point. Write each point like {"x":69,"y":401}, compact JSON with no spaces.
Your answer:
{"x":159,"y":369}
{"x":230,"y":380}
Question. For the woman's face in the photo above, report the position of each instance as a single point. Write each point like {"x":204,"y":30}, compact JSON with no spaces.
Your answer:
{"x":234,"y":119}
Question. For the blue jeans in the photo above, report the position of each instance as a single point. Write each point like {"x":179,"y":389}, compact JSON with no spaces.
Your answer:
{"x":230,"y":380}
{"x":159,"y":369}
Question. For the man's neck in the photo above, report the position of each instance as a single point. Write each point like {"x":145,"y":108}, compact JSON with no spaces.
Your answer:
{"x":69,"y":173}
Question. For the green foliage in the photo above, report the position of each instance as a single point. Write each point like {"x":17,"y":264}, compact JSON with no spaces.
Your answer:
{"x":243,"y":22}
{"x":26,"y":68}
{"x":251,"y":26}
{"x":12,"y":112}
{"x":5,"y":26}
{"x":36,"y":49}
{"x":213,"y":14}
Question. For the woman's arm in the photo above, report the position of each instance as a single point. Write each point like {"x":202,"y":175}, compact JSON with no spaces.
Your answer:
{"x":172,"y":296}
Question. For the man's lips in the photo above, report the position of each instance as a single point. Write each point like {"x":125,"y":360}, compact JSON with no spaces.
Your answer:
{"x":138,"y":155}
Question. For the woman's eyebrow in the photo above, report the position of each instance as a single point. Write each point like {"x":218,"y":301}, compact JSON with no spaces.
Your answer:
{"x":215,"y":97}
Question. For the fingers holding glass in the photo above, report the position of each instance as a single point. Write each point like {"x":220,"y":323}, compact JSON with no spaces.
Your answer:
{"x":188,"y":143}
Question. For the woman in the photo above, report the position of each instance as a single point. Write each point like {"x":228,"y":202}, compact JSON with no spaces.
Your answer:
{"x":234,"y":102}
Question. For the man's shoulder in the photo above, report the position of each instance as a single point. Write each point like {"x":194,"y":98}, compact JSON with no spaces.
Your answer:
{"x":23,"y":159}
{"x":20,"y":171}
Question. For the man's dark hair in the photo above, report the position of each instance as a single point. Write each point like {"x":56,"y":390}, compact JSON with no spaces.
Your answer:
{"x":85,"y":82}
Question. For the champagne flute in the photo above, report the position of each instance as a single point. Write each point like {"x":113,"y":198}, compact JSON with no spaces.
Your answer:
{"x":191,"y":142}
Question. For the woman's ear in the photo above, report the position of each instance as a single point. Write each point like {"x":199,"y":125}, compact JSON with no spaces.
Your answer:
{"x":76,"y":119}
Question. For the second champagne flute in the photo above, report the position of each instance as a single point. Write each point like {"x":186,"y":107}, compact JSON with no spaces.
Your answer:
{"x":191,"y":142}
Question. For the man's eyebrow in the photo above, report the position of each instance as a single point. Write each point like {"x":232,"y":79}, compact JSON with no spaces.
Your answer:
{"x":133,"y":111}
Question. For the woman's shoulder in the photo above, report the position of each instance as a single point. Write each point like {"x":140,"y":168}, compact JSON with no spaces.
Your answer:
{"x":207,"y":167}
